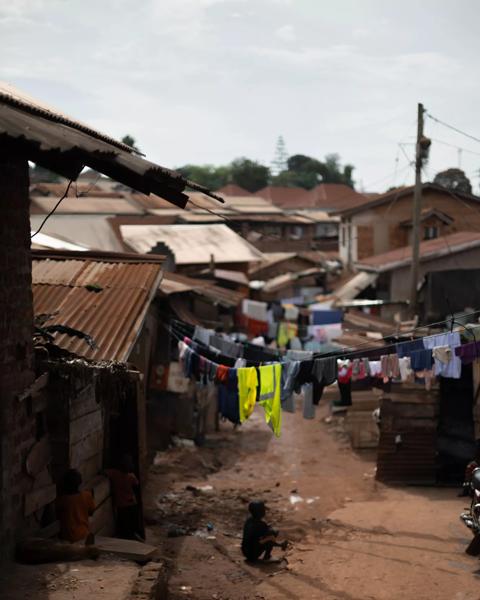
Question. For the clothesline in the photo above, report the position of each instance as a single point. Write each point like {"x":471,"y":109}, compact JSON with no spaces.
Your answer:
{"x":350,"y":351}
{"x":271,"y":384}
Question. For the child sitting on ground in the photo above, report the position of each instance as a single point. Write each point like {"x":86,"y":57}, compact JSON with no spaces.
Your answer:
{"x":73,"y":509}
{"x":258,"y":538}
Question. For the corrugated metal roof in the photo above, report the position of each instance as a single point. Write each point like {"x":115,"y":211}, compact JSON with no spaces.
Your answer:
{"x":429,"y":250}
{"x":52,"y":139}
{"x":355,"y":285}
{"x":92,"y":231}
{"x":192,"y":244}
{"x":113,"y":315}
{"x":173,"y":283}
{"x":85,"y":205}
{"x":48,"y":242}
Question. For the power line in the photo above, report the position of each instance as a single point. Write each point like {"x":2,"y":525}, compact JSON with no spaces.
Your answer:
{"x":455,"y":146}
{"x":472,"y":137}
{"x":65,"y":194}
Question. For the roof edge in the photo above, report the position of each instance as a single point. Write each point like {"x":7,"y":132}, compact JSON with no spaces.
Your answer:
{"x":100,"y":255}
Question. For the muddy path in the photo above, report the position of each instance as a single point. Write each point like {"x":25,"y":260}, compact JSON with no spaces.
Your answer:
{"x":197,"y":502}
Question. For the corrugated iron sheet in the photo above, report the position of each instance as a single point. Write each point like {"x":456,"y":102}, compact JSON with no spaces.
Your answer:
{"x":52,"y":139}
{"x":111,"y":309}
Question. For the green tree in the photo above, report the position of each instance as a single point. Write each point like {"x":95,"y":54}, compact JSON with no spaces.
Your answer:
{"x":128,"y":140}
{"x":210,"y":176}
{"x":454,"y":180}
{"x":279,"y":162}
{"x":306,"y":171}
{"x":249,"y":174}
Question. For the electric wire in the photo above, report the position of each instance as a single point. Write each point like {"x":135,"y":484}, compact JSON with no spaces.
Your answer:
{"x":65,"y":194}
{"x":472,"y":137}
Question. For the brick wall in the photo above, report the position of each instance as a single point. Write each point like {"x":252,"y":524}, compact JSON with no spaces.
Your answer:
{"x":17,"y":423}
{"x":365,"y":245}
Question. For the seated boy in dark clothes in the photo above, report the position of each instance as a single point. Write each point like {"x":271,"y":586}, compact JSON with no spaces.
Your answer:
{"x":258,"y":537}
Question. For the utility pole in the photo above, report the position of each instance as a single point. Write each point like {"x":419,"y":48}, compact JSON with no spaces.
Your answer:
{"x":417,"y":206}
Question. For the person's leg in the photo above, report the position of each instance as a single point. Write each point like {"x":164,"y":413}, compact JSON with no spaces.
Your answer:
{"x":268,"y":550}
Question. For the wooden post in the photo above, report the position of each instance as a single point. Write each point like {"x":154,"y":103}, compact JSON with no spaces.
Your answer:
{"x":417,"y":206}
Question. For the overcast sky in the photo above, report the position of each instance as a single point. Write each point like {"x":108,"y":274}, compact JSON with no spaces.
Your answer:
{"x":206,"y":81}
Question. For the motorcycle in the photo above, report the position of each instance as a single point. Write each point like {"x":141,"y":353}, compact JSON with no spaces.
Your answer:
{"x":472,"y":518}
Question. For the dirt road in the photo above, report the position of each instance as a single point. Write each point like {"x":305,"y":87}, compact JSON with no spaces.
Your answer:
{"x":352,"y":539}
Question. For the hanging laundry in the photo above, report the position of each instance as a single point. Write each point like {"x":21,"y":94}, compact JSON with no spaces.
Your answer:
{"x":256,"y":327}
{"x":290,"y":312}
{"x":406,"y":371}
{"x":202,"y":335}
{"x":290,"y":370}
{"x":273,"y":330}
{"x":468,"y":353}
{"x":326,"y":317}
{"x":247,"y":391}
{"x":345,"y":390}
{"x":269,"y":397}
{"x":228,"y":403}
{"x":298,"y":355}
{"x":282,"y":335}
{"x":226,"y":346}
{"x":295,"y":344}
{"x":390,"y":366}
{"x":240,"y":363}
{"x":447,"y":364}
{"x":375,"y":368}
{"x":325,"y":333}
{"x":308,"y":405}
{"x":344,"y":371}
{"x":421,"y":360}
{"x":324,"y":370}
{"x":222,"y":374}
{"x":406,"y":348}
{"x":304,"y":374}
{"x":256,"y":310}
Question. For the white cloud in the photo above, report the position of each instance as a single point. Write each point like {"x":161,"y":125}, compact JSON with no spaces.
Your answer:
{"x":208,"y":80}
{"x":286,"y":33}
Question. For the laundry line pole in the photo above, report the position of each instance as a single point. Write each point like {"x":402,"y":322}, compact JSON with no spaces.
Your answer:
{"x":417,"y":207}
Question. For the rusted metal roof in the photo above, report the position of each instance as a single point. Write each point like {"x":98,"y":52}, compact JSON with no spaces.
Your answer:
{"x":105,"y":295}
{"x":444,"y":245}
{"x":173,"y":283}
{"x":92,"y":204}
{"x":53,"y":140}
{"x":192,"y":244}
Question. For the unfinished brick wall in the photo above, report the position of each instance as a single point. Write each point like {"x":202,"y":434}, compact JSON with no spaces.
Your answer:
{"x":17,"y":426}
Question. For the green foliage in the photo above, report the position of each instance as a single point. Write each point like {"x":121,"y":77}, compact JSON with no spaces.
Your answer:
{"x":208,"y":175}
{"x":249,"y":174}
{"x":454,"y":180}
{"x":128,"y":140}
{"x":299,"y":171}
{"x":306,"y":171}
{"x":280,"y":159}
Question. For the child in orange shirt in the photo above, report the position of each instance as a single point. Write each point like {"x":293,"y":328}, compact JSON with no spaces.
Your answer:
{"x":73,"y":509}
{"x":124,"y":486}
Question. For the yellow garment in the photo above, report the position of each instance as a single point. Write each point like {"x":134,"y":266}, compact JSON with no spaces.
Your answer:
{"x":282,"y":335}
{"x":247,"y":391}
{"x":292,"y":330}
{"x":270,"y":384}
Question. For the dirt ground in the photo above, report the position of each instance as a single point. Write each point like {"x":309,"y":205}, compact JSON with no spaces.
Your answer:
{"x":351,"y":538}
{"x":105,"y":579}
